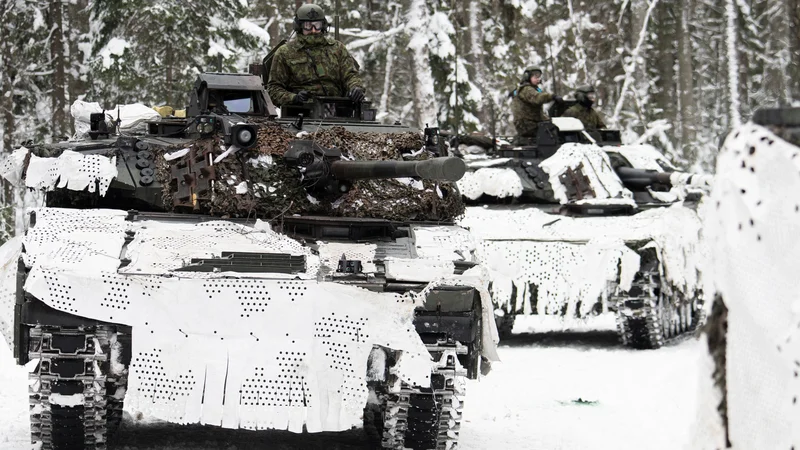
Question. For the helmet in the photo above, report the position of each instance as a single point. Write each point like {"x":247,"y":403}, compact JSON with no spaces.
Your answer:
{"x":310,"y":15}
{"x":585,"y":94}
{"x":529,"y":71}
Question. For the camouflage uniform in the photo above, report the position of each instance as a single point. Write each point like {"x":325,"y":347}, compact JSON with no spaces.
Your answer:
{"x":527,"y":109}
{"x":591,"y":119}
{"x":293,"y":71}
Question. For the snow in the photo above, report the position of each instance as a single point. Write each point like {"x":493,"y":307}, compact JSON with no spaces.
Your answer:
{"x":497,"y":182}
{"x":254,"y":30}
{"x":66,"y":400}
{"x":176,"y":154}
{"x":218,"y":47}
{"x":643,"y":399}
{"x":595,"y":166}
{"x":115,"y":47}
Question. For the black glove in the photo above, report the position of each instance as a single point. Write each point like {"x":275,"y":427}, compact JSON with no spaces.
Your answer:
{"x":557,"y":98}
{"x":302,"y":97}
{"x":356,"y":94}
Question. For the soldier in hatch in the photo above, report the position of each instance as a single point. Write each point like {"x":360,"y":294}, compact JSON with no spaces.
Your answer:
{"x":313,"y":63}
{"x":583,"y":109}
{"x":527,"y":103}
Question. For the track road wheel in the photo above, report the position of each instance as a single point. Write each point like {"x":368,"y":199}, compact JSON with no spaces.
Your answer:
{"x":67,"y":390}
{"x":428,"y":418}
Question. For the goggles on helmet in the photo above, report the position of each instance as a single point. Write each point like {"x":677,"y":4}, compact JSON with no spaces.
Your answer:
{"x":313,"y":24}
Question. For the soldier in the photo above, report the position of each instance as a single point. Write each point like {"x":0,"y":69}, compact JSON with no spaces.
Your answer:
{"x":583,"y":109}
{"x":313,"y":63}
{"x":527,"y":102}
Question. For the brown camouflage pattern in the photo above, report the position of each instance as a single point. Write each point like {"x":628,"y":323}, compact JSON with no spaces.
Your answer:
{"x":527,"y":108}
{"x":589,"y":117}
{"x":292,"y":70}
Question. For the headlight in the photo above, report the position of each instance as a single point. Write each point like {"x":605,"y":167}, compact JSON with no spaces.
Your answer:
{"x":244,"y":136}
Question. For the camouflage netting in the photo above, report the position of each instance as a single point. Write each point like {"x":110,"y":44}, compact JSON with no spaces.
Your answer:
{"x":274,"y":189}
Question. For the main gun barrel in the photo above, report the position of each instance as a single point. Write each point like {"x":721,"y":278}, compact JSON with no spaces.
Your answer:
{"x":447,"y":168}
{"x":639,"y":179}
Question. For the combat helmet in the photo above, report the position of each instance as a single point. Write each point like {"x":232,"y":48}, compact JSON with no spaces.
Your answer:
{"x":310,"y":13}
{"x":585,"y":94}
{"x":530,"y":70}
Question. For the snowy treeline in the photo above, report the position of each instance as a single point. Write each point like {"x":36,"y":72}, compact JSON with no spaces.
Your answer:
{"x":679,"y":73}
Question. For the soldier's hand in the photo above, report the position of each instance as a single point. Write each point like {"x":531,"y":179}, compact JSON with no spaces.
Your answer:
{"x":302,"y":97}
{"x":558,"y":99}
{"x":356,"y":94}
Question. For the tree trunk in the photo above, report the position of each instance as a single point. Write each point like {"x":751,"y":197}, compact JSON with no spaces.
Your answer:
{"x":8,"y":75}
{"x":686,"y":82}
{"x":78,"y":20}
{"x":793,"y":7}
{"x":731,"y":14}
{"x":58,"y":98}
{"x":668,"y":31}
{"x":425,"y":107}
{"x":383,"y":109}
{"x":169,"y":80}
{"x":475,"y":56}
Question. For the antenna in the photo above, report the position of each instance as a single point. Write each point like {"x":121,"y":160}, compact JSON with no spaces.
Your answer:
{"x":455,"y":85}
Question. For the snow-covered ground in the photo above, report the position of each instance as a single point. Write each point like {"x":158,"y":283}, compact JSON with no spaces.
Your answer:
{"x":572,"y":390}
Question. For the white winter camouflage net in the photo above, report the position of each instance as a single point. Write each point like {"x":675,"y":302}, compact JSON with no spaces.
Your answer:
{"x":754,"y":218}
{"x":71,"y":170}
{"x":574,"y":263}
{"x":236,"y":350}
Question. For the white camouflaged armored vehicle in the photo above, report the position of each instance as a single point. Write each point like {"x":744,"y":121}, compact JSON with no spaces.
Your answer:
{"x":588,"y":226}
{"x":218,"y":270}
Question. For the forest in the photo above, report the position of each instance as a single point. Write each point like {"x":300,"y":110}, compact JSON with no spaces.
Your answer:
{"x":678,"y":74}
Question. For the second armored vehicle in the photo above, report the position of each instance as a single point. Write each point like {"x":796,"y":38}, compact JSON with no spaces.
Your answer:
{"x":590,"y":226}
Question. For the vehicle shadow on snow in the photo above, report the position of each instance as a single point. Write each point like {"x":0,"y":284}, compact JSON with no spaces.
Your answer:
{"x":576,"y":339}
{"x":595,"y":339}
{"x":166,"y":436}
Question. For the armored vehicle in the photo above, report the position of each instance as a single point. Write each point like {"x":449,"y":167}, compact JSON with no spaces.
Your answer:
{"x":243,"y":270}
{"x":591,"y":226}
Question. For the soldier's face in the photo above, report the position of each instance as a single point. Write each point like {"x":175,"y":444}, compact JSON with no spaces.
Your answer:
{"x":536,"y":79}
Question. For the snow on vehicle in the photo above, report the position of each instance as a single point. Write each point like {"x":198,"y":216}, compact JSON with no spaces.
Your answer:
{"x":589,"y":226}
{"x":235,"y":269}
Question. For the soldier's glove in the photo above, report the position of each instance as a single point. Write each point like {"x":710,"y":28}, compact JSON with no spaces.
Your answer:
{"x":356,"y":95}
{"x":302,"y":97}
{"x":558,"y":99}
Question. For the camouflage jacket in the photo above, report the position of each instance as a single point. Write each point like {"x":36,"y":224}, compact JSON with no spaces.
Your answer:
{"x":591,"y":119}
{"x":294,"y":64}
{"x":527,"y":107}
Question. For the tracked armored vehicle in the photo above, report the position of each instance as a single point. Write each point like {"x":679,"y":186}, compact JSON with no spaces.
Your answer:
{"x":243,"y":270}
{"x":590,"y":226}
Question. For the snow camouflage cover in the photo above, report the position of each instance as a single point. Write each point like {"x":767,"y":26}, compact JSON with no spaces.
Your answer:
{"x":543,"y":263}
{"x":753,"y":217}
{"x":292,"y":350}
